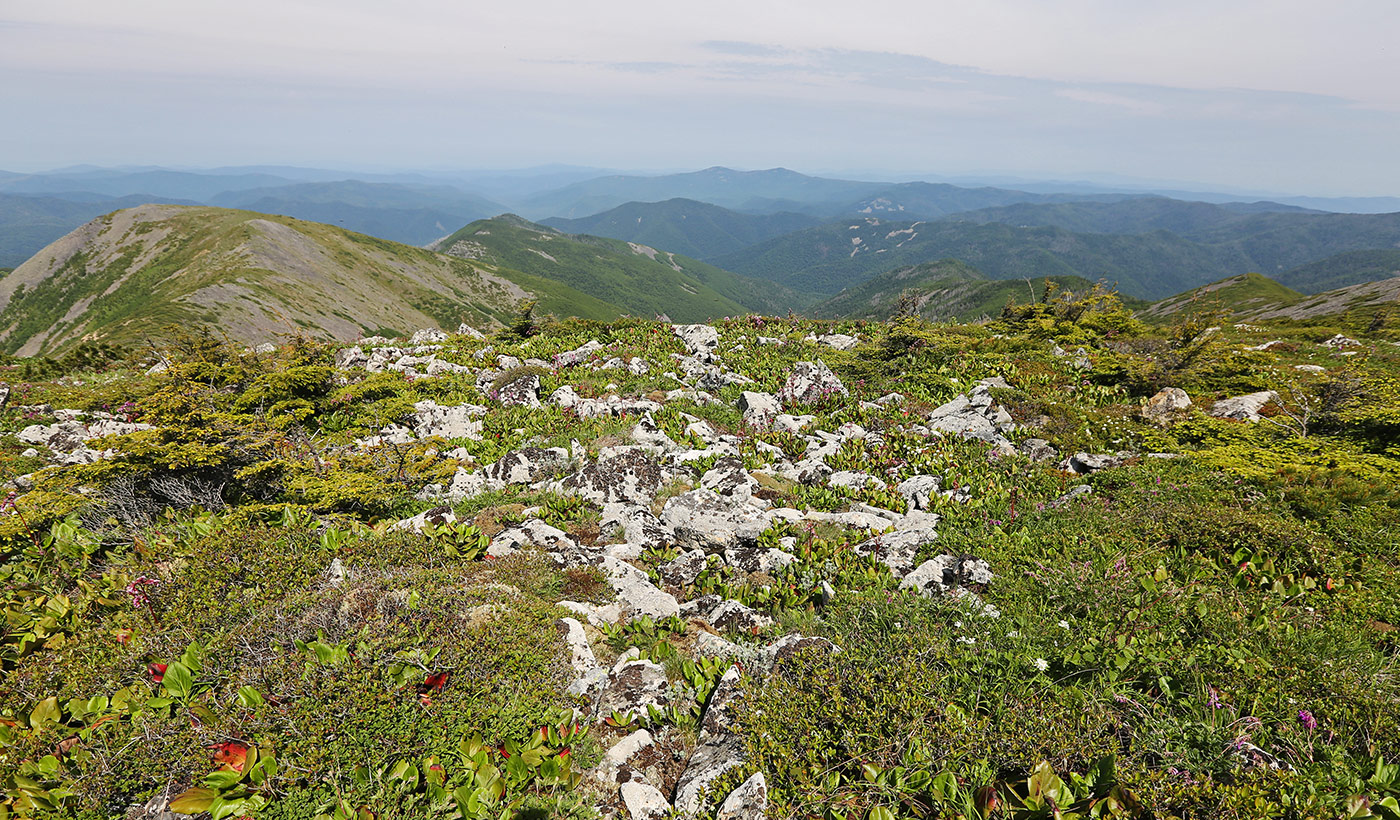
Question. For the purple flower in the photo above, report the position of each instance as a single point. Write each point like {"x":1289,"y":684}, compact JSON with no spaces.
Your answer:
{"x":1214,"y":699}
{"x":1306,"y":718}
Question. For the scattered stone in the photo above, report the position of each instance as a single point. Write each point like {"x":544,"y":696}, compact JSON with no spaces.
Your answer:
{"x":728,"y":477}
{"x":920,"y":490}
{"x":1073,"y":493}
{"x":431,"y":419}
{"x":682,"y":570}
{"x":1038,"y":449}
{"x":974,"y":415}
{"x":1340,"y":341}
{"x":1085,"y":463}
{"x":467,"y":330}
{"x":839,"y":341}
{"x":621,"y":752}
{"x":733,"y":615}
{"x":644,"y":801}
{"x":580,"y":652}
{"x":631,"y":477}
{"x":1310,"y":368}
{"x":631,"y":686}
{"x":428,"y":335}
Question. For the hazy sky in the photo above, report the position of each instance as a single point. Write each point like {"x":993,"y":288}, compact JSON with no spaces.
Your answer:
{"x":1283,"y":95}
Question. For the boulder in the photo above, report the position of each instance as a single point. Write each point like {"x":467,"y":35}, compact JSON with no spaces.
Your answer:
{"x":580,"y":653}
{"x":973,"y":415}
{"x":728,"y":477}
{"x":631,"y":477}
{"x":579,"y":355}
{"x":635,"y":591}
{"x":350,"y":357}
{"x":529,"y":465}
{"x":942,"y":575}
{"x":470,"y":332}
{"x":1038,"y":449}
{"x":748,"y":802}
{"x":682,"y":570}
{"x":523,"y":391}
{"x":639,"y":526}
{"x":701,"y":519}
{"x":644,"y":801}
{"x":920,"y":490}
{"x":1165,"y":403}
{"x":733,"y":615}
{"x":758,"y":409}
{"x":428,"y":335}
{"x":432,"y":419}
{"x":1243,"y":408}
{"x":1085,"y":463}
{"x":700,"y":340}
{"x":631,"y":686}
{"x":810,"y":383}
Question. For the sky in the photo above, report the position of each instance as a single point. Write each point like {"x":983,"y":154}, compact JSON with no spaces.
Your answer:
{"x":1278,"y":96}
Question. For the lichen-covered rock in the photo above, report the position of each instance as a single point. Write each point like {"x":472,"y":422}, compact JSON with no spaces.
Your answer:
{"x":682,"y":570}
{"x":973,"y":415}
{"x":428,"y":335}
{"x":632,"y":686}
{"x":579,"y":355}
{"x":644,"y":801}
{"x":810,"y":383}
{"x":701,"y":519}
{"x":636,"y":593}
{"x":728,"y":477}
{"x":945,"y":573}
{"x":748,"y":802}
{"x":520,"y":392}
{"x":735,"y":616}
{"x":758,"y":409}
{"x":639,"y":526}
{"x":1243,"y":408}
{"x":631,"y":477}
{"x":920,"y":490}
{"x":700,"y":340}
{"x":529,"y":465}
{"x":432,"y":419}
{"x":1084,"y":463}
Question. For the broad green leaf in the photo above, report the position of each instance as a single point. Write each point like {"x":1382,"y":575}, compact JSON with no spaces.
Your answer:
{"x":193,"y":801}
{"x":178,"y":681}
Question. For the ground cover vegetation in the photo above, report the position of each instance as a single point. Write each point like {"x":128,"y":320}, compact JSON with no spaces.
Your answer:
{"x":262,"y":584}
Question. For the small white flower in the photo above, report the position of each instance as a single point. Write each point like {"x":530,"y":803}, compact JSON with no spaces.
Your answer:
{"x":967,"y":640}
{"x":1013,"y":634}
{"x":1064,"y":624}
{"x":1042,"y":664}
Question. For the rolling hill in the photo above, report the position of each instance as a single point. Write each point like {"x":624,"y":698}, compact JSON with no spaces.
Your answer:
{"x":685,"y":226}
{"x":839,"y":255}
{"x":253,"y":277}
{"x":1151,"y":264}
{"x":1257,"y":298}
{"x":945,"y":290}
{"x":638,"y":278}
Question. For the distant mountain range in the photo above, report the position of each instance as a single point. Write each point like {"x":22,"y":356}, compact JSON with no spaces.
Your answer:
{"x":637,"y":278}
{"x":769,"y":240}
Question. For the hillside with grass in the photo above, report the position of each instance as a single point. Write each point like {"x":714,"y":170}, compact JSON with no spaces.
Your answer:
{"x":254,"y":278}
{"x":641,"y":279}
{"x":762,"y":568}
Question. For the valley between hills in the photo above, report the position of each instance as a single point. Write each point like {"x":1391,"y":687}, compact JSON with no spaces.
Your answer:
{"x":712,"y":495}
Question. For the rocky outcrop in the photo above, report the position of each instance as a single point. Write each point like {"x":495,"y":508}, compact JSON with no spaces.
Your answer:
{"x":810,"y":383}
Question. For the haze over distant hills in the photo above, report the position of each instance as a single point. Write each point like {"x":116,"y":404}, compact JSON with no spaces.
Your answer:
{"x":720,"y":241}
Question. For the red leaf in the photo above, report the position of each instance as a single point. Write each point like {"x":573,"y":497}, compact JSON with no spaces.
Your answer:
{"x":122,"y":636}
{"x":425,"y":699}
{"x":434,"y":682}
{"x":157,"y":671}
{"x":232,"y":754}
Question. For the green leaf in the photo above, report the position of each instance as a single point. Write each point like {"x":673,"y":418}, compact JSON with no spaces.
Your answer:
{"x":178,"y":681}
{"x":222,"y":779}
{"x":193,"y":801}
{"x":250,"y":698}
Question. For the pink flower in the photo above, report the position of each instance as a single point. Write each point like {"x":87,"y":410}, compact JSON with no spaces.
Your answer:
{"x":1306,"y":718}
